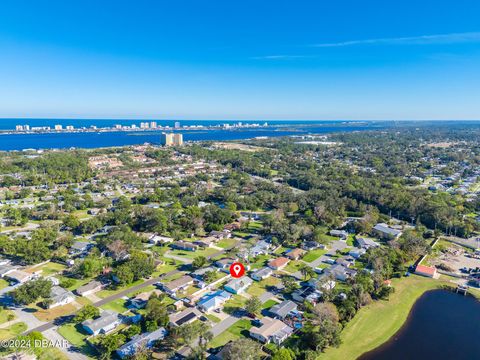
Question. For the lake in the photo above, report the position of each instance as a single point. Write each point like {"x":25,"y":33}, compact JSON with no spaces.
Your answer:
{"x":442,"y":325}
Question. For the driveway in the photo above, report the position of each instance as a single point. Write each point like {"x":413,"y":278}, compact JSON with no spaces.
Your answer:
{"x":68,"y":349}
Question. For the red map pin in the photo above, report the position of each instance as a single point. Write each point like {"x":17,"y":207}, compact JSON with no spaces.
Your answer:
{"x":237,"y":270}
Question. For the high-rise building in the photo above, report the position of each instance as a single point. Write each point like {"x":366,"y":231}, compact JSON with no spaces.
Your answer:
{"x":166,"y":139}
{"x":118,"y":126}
{"x":19,"y":127}
{"x":178,"y":139}
{"x":69,"y":127}
{"x":58,"y":127}
{"x":153,"y":124}
{"x":26,"y":127}
{"x":177,"y":124}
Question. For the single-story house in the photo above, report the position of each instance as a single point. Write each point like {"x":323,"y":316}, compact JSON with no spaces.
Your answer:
{"x":158,"y":239}
{"x":238,"y":286}
{"x":140,"y":301}
{"x":80,"y":247}
{"x":427,"y":271}
{"x":224,"y":263}
{"x":89,"y":288}
{"x":338,"y":272}
{"x":177,"y":285}
{"x":272,"y":330}
{"x":183,"y":245}
{"x":386,"y":232}
{"x":282,"y":310}
{"x":6,"y":269}
{"x":295,"y":254}
{"x":312,"y":245}
{"x":366,"y":243}
{"x":213,"y":301}
{"x":278,"y":263}
{"x":342,"y":234}
{"x":356,"y":252}
{"x":60,"y":297}
{"x":184,"y":317}
{"x":19,"y":276}
{"x":261,"y":274}
{"x":225,"y":234}
{"x":199,"y":273}
{"x":106,"y":322}
{"x":206,"y":241}
{"x":260,"y":248}
{"x":144,"y":340}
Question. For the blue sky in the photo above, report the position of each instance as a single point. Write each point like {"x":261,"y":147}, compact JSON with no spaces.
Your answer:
{"x":229,"y":59}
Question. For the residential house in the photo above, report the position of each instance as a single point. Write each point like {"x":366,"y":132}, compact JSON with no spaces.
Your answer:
{"x":225,"y":263}
{"x":59,"y":297}
{"x":260,"y":248}
{"x":80,"y":247}
{"x":238,"y":286}
{"x":282,"y":310}
{"x":141,"y":300}
{"x":146,"y":340}
{"x":224,"y":234}
{"x":338,"y":272}
{"x":386,"y":232}
{"x":206,"y":241}
{"x":213,"y":301}
{"x":184,"y":317}
{"x":366,"y":243}
{"x":6,"y":269}
{"x":356,"y":252}
{"x":261,"y":274}
{"x":157,"y":239}
{"x":295,"y":254}
{"x":177,"y":285}
{"x":312,"y":245}
{"x":199,"y":273}
{"x":278,"y":263}
{"x":106,"y":322}
{"x":19,"y":276}
{"x":272,"y":330}
{"x":183,"y":245}
{"x":89,"y":288}
{"x":342,"y":234}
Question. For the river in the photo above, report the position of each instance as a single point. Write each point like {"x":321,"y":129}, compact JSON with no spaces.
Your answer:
{"x":442,"y":325}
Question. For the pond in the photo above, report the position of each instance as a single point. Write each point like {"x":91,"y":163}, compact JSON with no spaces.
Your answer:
{"x":442,"y":325}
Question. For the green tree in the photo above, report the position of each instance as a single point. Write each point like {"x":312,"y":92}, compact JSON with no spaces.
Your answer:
{"x":87,"y":312}
{"x":253,"y":305}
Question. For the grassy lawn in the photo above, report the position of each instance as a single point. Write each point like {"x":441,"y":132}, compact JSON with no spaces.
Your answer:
{"x":6,"y":315}
{"x":260,"y":262}
{"x":193,"y":254}
{"x":350,"y":239}
{"x":213,"y":318}
{"x":226,"y":243}
{"x":168,"y":266}
{"x":49,"y":268}
{"x":76,"y":282}
{"x":235,"y":303}
{"x":81,"y":214}
{"x":12,"y":330}
{"x":268,"y":304}
{"x":293,"y":266}
{"x":109,"y":292}
{"x":280,"y":250}
{"x":258,"y":288}
{"x":73,"y":333}
{"x":240,"y":328}
{"x":116,"y":305}
{"x":313,"y":255}
{"x":363,"y":333}
{"x":3,"y":284}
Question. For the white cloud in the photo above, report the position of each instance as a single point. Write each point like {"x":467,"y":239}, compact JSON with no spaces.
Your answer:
{"x":454,"y":38}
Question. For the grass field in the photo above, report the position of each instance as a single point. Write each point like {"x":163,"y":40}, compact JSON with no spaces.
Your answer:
{"x":240,"y":328}
{"x":73,"y":334}
{"x":259,"y":287}
{"x":50,"y":314}
{"x":6,"y":315}
{"x":193,"y":254}
{"x":12,"y":330}
{"x":47,"y":269}
{"x":235,"y":303}
{"x":376,"y":323}
{"x":116,"y":305}
{"x":313,"y":255}
{"x":226,"y":243}
{"x":3,"y":284}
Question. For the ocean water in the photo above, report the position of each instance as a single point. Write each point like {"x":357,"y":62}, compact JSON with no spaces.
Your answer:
{"x":120,"y":138}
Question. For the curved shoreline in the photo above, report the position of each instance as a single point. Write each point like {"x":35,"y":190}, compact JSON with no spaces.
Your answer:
{"x":375,"y":324}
